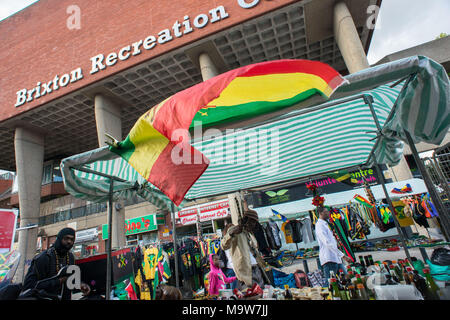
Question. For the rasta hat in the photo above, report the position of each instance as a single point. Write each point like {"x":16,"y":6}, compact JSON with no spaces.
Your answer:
{"x":58,"y":243}
{"x":251,"y":214}
{"x":65,"y":232}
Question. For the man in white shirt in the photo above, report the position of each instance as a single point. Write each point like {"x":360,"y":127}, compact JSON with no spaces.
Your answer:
{"x":329,"y":255}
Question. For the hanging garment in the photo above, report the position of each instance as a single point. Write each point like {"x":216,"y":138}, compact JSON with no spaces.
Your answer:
{"x":430,"y":210}
{"x":150,"y":262}
{"x":385,"y":216}
{"x":286,"y":228}
{"x":341,"y":237}
{"x":273,"y":235}
{"x":261,"y":238}
{"x":185,"y":263}
{"x":297,"y":227}
{"x":307,"y":231}
{"x":358,"y":227}
{"x":419,"y":215}
{"x":162,"y":271}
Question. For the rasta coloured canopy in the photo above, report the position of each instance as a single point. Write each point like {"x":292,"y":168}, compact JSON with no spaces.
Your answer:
{"x":411,"y":94}
{"x":238,"y":94}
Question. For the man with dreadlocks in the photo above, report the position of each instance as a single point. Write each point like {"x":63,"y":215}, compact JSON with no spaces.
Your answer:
{"x":48,"y":263}
{"x":241,"y":242}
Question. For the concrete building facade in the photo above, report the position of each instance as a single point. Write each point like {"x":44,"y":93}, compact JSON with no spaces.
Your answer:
{"x":73,"y":73}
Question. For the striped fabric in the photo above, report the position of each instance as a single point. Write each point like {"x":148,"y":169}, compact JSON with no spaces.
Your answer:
{"x":301,"y":146}
{"x":304,"y":145}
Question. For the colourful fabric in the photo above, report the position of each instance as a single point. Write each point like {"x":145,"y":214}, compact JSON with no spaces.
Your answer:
{"x":288,"y":232}
{"x":238,"y":94}
{"x":406,"y":189}
{"x":217,"y":278}
{"x":131,"y":292}
{"x":149,"y":263}
{"x":363,"y":201}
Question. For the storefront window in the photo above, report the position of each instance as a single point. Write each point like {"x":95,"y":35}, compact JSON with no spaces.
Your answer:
{"x":47,"y":174}
{"x":132,"y":240}
{"x":57,"y":176}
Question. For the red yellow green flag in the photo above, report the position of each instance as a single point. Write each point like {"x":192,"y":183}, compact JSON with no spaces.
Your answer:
{"x":363,"y":201}
{"x":159,"y":151}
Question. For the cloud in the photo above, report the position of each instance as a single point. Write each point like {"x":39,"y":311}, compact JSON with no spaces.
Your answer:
{"x":8,"y":7}
{"x":404,"y":24}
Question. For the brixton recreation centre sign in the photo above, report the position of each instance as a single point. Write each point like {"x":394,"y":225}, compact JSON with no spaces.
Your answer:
{"x":101,"y":61}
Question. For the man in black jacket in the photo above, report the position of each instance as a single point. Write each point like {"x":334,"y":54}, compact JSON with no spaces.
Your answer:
{"x":48,"y":263}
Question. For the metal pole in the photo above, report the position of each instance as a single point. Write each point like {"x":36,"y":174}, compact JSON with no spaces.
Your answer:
{"x":391,"y":207}
{"x":440,"y":175}
{"x":443,"y":214}
{"x":30,"y":226}
{"x":109,"y":241}
{"x":175,"y":253}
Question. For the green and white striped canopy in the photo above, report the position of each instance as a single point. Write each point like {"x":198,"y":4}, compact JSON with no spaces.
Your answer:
{"x":411,"y":94}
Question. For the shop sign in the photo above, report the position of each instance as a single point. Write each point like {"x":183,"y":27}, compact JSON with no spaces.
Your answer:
{"x":86,"y":235}
{"x":206,"y":212}
{"x":327,"y":184}
{"x":135,"y":226}
{"x":215,"y":211}
{"x":8,"y":220}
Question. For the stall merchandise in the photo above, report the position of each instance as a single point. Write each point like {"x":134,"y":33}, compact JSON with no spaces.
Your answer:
{"x":379,"y":99}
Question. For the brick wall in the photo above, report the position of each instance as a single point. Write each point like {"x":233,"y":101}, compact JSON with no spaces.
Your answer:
{"x":37,"y":45}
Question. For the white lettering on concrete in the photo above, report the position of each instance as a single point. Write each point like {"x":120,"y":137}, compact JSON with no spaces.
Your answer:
{"x":122,"y":55}
{"x":111,"y":59}
{"x":204,"y":21}
{"x":149,"y":42}
{"x":218,"y":14}
{"x":244,"y":4}
{"x":97,"y":63}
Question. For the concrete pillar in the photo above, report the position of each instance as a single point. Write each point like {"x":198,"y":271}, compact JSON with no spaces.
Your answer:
{"x":355,"y":59}
{"x":401,"y":171}
{"x":348,"y":39}
{"x":207,"y":67}
{"x":108,"y":120}
{"x":29,"y":152}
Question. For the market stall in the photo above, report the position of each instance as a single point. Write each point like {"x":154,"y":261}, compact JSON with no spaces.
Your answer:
{"x":364,"y":124}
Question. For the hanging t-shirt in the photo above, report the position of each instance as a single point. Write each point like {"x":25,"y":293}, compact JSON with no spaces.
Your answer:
{"x":286,"y":227}
{"x":150,"y":262}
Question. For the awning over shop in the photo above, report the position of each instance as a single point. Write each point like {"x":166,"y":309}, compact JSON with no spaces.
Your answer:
{"x":295,"y":209}
{"x":411,"y":94}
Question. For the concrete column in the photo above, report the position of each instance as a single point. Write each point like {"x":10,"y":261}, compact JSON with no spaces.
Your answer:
{"x":207,"y":67}
{"x":401,"y":171}
{"x":355,"y":59}
{"x":29,"y":152}
{"x":348,"y":39}
{"x":108,"y":120}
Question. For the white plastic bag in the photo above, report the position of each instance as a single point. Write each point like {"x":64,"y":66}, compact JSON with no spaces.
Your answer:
{"x":397,"y":292}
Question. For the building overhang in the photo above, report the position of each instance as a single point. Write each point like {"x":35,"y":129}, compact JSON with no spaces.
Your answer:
{"x":294,"y":31}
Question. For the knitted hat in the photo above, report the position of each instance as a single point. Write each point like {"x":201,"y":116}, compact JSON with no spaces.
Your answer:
{"x":251,"y":214}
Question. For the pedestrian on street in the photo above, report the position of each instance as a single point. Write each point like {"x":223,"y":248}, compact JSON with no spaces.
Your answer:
{"x":331,"y":258}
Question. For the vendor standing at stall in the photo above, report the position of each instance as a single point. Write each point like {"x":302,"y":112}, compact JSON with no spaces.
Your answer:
{"x":241,"y":242}
{"x":329,"y":255}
